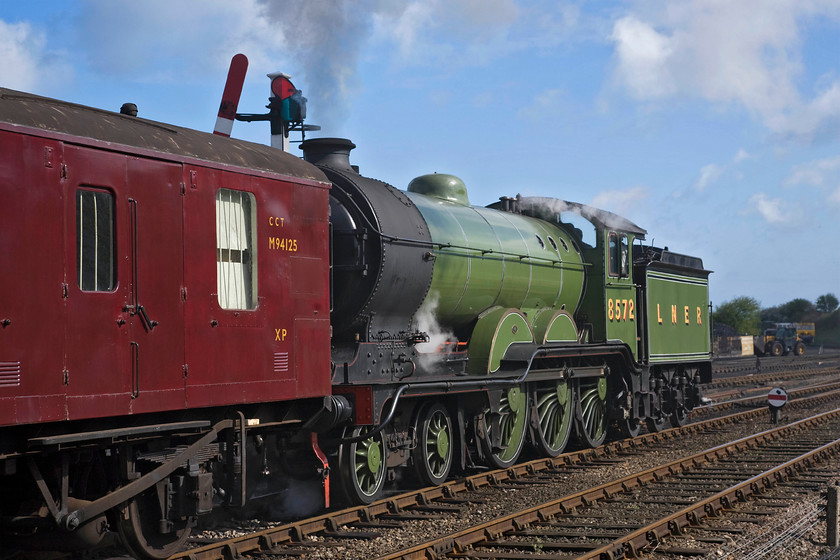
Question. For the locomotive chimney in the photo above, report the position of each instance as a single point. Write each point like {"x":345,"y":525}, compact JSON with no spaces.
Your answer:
{"x":330,"y":152}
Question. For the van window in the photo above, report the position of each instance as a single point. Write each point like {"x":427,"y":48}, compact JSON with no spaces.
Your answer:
{"x":236,"y":249}
{"x":96,"y":263}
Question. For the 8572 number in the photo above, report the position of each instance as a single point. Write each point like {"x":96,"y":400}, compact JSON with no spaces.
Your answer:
{"x":621,"y":309}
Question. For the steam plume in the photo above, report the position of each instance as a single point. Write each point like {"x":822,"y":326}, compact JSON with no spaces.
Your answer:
{"x":426,"y":321}
{"x":549,"y":209}
{"x":326,"y":37}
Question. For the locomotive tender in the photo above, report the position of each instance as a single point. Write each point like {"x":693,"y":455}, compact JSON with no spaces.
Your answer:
{"x":189,"y":322}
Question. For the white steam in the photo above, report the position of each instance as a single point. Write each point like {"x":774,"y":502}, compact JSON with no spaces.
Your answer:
{"x":544,"y":207}
{"x":425,"y":320}
{"x":549,"y":209}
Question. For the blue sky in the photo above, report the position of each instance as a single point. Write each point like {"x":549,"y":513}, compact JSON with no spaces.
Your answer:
{"x":713,"y":124}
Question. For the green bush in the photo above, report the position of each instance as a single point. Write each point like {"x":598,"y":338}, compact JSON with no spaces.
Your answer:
{"x":828,"y":330}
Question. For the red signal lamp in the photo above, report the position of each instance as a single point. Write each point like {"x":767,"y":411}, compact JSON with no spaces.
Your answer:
{"x":292,"y":103}
{"x":281,"y":86}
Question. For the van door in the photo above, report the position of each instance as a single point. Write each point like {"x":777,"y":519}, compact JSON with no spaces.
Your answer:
{"x":97,"y":337}
{"x":125,"y":328}
{"x":156,"y":263}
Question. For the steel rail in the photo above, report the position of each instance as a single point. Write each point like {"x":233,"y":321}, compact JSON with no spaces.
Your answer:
{"x":462,"y":540}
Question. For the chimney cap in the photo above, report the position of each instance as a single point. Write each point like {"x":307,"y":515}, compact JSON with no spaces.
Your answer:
{"x":331,"y":152}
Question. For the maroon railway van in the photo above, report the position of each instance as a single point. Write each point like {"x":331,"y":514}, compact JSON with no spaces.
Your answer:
{"x":148,"y":268}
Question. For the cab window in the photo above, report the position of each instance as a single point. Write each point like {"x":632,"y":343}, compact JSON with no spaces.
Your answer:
{"x":619,"y":255}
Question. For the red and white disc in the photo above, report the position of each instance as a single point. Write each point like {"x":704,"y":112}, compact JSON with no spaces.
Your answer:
{"x":777,"y":397}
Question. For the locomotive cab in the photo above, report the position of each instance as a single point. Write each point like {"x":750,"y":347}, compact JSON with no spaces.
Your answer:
{"x":610,"y":305}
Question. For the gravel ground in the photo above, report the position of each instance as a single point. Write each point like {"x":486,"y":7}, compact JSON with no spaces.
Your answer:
{"x":809,"y":543}
{"x":794,"y":533}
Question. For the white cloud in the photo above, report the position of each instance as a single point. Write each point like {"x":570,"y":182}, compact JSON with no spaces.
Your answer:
{"x":404,"y":28}
{"x":26,"y":62}
{"x":708,"y":175}
{"x":317,"y":41}
{"x":769,"y":208}
{"x":621,"y":202}
{"x":424,"y":31}
{"x":452,"y":34}
{"x":742,"y":155}
{"x":482,"y":13}
{"x":441,"y":97}
{"x":142,"y":37}
{"x":17,"y":48}
{"x":485,"y":99}
{"x":746,"y":53}
{"x":544,"y":103}
{"x":818,"y":118}
{"x":644,"y":58}
{"x":834,"y":198}
{"x":813,"y":173}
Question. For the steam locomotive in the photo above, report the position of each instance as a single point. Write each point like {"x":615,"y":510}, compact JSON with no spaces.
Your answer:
{"x":190,"y":322}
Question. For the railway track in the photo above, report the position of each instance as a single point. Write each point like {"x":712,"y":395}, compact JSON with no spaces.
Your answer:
{"x":776,"y":524}
{"x":718,"y":408}
{"x":363,"y":532}
{"x":627,"y":516}
{"x":754,"y":385}
{"x":772,"y":377}
{"x":724,"y":368}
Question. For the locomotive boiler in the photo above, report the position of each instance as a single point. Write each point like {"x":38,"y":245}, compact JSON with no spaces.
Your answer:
{"x":199,"y":323}
{"x":395,"y":252}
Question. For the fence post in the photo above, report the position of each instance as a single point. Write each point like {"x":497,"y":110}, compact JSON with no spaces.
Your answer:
{"x":832,"y":515}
